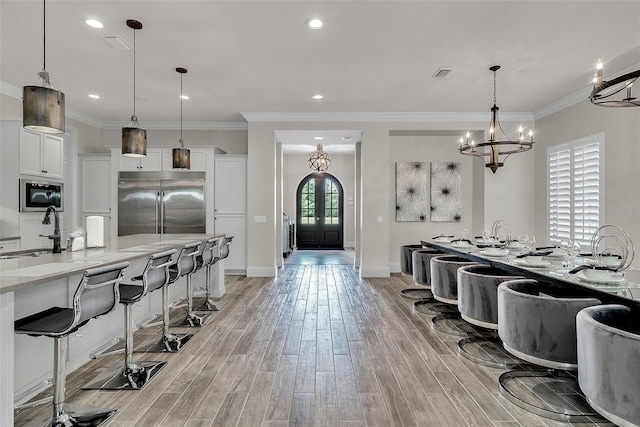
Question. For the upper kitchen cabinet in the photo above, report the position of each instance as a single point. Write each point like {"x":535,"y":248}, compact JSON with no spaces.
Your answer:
{"x":41,"y":154}
{"x":151,"y":163}
{"x":231,"y":184}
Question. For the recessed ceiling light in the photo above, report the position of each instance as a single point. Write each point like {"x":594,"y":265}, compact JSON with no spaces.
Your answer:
{"x":94,"y":23}
{"x":315,"y":24}
{"x":318,"y":96}
{"x":184,"y":96}
{"x":94,"y":96}
{"x":318,"y":137}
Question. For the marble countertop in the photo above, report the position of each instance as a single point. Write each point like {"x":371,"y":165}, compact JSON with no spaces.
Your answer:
{"x":28,"y":271}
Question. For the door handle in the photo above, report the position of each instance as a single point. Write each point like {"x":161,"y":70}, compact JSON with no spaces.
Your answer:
{"x":317,"y":218}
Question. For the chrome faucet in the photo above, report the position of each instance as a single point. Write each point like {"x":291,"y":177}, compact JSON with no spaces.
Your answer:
{"x":56,"y":229}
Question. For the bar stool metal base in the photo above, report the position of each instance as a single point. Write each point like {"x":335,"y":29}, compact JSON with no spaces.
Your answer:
{"x":192,"y":321}
{"x":431,"y":307}
{"x":118,"y":378}
{"x":74,"y":415}
{"x":452,"y":324}
{"x":488,"y":351}
{"x":416,"y":293}
{"x":171,"y":343}
{"x":210,"y":305}
{"x":548,"y":393}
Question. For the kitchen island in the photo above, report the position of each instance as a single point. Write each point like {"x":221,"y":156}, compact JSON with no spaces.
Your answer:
{"x":31,"y":284}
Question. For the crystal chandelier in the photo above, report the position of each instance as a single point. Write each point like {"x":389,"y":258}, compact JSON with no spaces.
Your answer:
{"x":493,"y":146}
{"x":603,"y":93}
{"x":319,"y":161}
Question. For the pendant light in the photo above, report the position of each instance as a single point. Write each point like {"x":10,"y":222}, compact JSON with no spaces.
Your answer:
{"x":319,"y":161}
{"x":182,"y":155}
{"x":134,"y":138}
{"x":43,"y":106}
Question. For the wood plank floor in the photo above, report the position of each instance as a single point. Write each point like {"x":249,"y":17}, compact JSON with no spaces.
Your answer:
{"x":317,"y":346}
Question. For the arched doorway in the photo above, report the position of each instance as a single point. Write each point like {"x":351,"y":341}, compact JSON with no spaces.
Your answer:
{"x":319,"y":212}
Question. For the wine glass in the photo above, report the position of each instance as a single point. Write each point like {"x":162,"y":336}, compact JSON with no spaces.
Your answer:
{"x":567,"y":247}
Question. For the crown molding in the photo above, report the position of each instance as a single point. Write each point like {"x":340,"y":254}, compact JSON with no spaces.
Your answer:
{"x":383,"y":117}
{"x":185,"y":125}
{"x":574,"y":98}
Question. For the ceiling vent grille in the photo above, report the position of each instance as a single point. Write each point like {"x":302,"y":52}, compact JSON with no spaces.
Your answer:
{"x":117,"y":42}
{"x":442,"y":72}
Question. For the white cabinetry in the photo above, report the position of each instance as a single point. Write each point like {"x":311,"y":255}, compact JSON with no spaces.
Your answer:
{"x":31,"y":228}
{"x":40,"y":154}
{"x":230,"y":207}
{"x":7,"y":245}
{"x":151,"y":163}
{"x":96,"y":190}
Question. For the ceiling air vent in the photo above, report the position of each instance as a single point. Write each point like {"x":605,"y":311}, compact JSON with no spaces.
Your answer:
{"x":117,"y":42}
{"x":442,"y":72}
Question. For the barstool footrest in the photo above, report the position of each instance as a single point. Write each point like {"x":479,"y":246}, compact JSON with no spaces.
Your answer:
{"x":210,"y":305}
{"x":168,"y":344}
{"x":488,"y":351}
{"x":559,"y":398}
{"x":75,"y":415}
{"x":101,"y":351}
{"x":32,"y":391}
{"x":115,"y":378}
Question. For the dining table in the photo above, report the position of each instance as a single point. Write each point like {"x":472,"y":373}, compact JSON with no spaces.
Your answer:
{"x":555,"y":273}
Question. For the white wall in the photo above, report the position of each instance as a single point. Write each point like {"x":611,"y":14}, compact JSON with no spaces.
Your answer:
{"x":426,"y":149}
{"x":342,"y":167}
{"x":621,"y":128}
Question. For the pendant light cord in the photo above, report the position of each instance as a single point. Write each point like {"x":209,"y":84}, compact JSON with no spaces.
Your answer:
{"x":181,"y":100}
{"x":44,"y":35}
{"x":134,"y":73}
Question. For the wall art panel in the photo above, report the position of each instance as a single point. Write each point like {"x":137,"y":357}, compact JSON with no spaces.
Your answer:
{"x":446,"y":191}
{"x":411,"y":191}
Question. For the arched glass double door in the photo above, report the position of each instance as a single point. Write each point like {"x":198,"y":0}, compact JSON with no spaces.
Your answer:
{"x":319,"y":213}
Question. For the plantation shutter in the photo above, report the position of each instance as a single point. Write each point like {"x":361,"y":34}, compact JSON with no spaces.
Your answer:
{"x":574,"y":183}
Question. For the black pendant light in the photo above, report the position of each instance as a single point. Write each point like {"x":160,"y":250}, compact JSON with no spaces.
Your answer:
{"x":43,"y":106}
{"x":134,"y":138}
{"x":182,"y":155}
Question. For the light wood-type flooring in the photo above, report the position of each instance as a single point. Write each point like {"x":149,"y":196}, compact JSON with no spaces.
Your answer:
{"x":317,"y":346}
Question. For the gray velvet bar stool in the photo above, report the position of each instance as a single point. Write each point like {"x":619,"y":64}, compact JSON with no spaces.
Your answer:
{"x":609,"y":362}
{"x":135,"y":375}
{"x":205,"y":260}
{"x":421,"y":272}
{"x":169,"y":342}
{"x":96,"y":295}
{"x":187,"y":265}
{"x":444,"y":286}
{"x":223,"y":252}
{"x":478,"y":305}
{"x":541,"y":329}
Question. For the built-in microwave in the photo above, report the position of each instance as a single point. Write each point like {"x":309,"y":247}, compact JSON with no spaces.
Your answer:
{"x":37,"y":196}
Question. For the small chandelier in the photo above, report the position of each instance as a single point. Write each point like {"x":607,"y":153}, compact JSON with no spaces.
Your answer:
{"x":603,"y":90}
{"x":134,"y":138}
{"x":43,"y":106}
{"x":182,"y":155}
{"x":319,"y":161}
{"x":493,"y":146}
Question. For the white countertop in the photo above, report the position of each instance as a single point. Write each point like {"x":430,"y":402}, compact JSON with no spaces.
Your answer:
{"x":28,"y":271}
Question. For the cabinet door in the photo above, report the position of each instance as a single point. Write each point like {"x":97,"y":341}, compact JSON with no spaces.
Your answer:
{"x":230,"y":185}
{"x":52,"y":152}
{"x":30,"y":229}
{"x":153,"y":162}
{"x":9,"y":244}
{"x":96,"y":194}
{"x":30,"y":154}
{"x":233,"y":226}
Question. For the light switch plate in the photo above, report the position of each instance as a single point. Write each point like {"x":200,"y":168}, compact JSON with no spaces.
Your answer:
{"x":260,"y":219}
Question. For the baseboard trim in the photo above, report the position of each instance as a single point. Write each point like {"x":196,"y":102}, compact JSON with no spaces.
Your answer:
{"x":374,"y":272}
{"x":394,"y":267}
{"x":233,"y":272}
{"x":262,"y":271}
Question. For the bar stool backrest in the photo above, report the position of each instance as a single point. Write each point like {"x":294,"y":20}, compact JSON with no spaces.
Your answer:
{"x":224,"y":248}
{"x":186,"y":262}
{"x":156,"y":273}
{"x":208,"y":252}
{"x":97,"y":293}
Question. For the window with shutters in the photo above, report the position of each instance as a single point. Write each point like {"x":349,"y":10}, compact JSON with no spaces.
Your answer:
{"x":574,"y":189}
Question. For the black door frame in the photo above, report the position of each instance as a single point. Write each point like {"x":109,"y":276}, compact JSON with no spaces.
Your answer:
{"x":320,"y":208}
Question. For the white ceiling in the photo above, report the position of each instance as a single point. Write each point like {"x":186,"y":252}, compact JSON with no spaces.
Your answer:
{"x":304,"y":141}
{"x":371,"y":56}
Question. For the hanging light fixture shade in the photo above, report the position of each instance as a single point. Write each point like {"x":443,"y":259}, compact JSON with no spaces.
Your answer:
{"x":43,"y":106}
{"x":181,"y":155}
{"x":604,"y":92}
{"x":319,"y":161}
{"x":495,"y":142}
{"x":134,"y":138}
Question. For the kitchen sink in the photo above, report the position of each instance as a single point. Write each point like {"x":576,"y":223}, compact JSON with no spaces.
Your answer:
{"x":25,"y":253}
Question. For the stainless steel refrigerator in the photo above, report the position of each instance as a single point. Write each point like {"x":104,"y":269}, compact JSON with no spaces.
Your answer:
{"x":161,"y":202}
